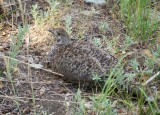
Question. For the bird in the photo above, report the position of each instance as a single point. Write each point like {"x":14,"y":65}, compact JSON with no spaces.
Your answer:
{"x":79,"y":61}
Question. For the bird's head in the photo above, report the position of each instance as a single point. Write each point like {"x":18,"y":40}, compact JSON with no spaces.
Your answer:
{"x":61,"y":36}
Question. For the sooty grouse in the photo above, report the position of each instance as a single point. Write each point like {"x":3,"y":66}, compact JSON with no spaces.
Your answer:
{"x":78,"y":60}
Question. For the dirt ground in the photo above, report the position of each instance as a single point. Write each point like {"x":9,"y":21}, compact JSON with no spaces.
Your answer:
{"x":38,"y":90}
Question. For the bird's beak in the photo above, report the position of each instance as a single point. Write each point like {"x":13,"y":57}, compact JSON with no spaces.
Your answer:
{"x":50,"y":30}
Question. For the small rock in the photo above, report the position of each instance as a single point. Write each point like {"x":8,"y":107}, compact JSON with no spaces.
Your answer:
{"x":95,"y":1}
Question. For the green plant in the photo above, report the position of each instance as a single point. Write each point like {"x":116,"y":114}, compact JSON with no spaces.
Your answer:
{"x":68,"y":22}
{"x":138,"y":70}
{"x":35,"y":13}
{"x":152,"y":105}
{"x":111,"y":44}
{"x":16,"y":44}
{"x":102,"y":106}
{"x":53,"y":6}
{"x":80,"y":109}
{"x":97,"y":42}
{"x":103,"y":27}
{"x":136,"y":15}
{"x":134,"y":64}
{"x":41,"y":17}
{"x":127,"y":42}
{"x":156,"y":52}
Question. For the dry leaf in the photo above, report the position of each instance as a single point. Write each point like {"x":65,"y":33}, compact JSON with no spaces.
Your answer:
{"x":37,"y":66}
{"x":3,"y":33}
{"x":148,"y":53}
{"x":1,"y":26}
{"x":1,"y":85}
{"x":144,"y":78}
{"x":1,"y":48}
{"x":158,"y":94}
{"x":115,"y":103}
{"x":42,"y":90}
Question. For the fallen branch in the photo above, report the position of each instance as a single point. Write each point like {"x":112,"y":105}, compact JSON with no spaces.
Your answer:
{"x":152,"y":78}
{"x":31,"y":65}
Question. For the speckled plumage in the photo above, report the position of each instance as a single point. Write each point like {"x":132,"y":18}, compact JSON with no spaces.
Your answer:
{"x":78,"y":60}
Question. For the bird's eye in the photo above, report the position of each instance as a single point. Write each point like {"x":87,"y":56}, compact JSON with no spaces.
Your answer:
{"x":58,"y":34}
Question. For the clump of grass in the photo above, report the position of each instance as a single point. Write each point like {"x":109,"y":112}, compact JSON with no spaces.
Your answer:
{"x":68,"y":22}
{"x":103,"y":27}
{"x":11,"y":64}
{"x":100,"y":105}
{"x":103,"y":106}
{"x":111,"y":44}
{"x":16,"y":43}
{"x":53,"y":6}
{"x":35,"y":13}
{"x":97,"y":42}
{"x":137,"y":16}
{"x":41,"y":17}
{"x":80,"y":109}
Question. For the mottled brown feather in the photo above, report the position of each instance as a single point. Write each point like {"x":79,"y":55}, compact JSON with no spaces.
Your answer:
{"x":79,"y":60}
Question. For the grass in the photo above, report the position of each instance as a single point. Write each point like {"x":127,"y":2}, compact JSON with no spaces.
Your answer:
{"x":17,"y":42}
{"x":136,"y":14}
{"x":11,"y":65}
{"x":103,"y":27}
{"x":80,"y":109}
{"x":103,"y":103}
{"x":40,"y":18}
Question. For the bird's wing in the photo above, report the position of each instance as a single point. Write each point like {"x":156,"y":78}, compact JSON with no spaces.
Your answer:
{"x":80,"y":67}
{"x":105,"y":58}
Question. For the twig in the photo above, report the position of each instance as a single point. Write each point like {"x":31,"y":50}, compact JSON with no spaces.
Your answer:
{"x":37,"y":99}
{"x":2,"y":55}
{"x":152,"y":78}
